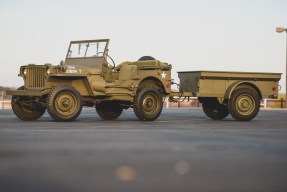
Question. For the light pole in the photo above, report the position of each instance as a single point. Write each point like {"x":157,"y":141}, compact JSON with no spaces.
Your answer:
{"x":280,"y":30}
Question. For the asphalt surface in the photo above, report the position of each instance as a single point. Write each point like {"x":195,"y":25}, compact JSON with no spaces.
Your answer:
{"x":181,"y":151}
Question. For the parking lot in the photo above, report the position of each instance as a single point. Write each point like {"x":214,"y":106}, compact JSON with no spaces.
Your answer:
{"x":181,"y":151}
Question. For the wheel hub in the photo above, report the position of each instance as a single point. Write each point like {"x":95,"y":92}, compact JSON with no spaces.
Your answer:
{"x":149,"y":104}
{"x":245,"y":104}
{"x":66,"y":104}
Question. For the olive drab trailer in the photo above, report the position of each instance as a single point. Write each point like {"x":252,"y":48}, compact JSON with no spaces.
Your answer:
{"x":224,"y":93}
{"x":89,"y":77}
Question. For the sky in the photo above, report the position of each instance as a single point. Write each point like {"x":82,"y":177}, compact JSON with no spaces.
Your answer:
{"x":222,"y":35}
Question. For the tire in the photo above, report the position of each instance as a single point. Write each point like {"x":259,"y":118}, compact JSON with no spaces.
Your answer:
{"x":109,"y":110}
{"x":146,"y":58}
{"x":244,"y":104}
{"x":64,"y":103}
{"x":26,"y":108}
{"x":215,"y":110}
{"x":148,"y":104}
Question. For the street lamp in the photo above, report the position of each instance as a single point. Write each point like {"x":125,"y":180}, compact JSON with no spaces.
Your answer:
{"x":280,"y":30}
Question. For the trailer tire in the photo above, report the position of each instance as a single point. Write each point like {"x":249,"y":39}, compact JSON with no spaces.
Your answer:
{"x":64,"y":103}
{"x":109,"y":110}
{"x":244,"y":104}
{"x":148,"y":104}
{"x":26,"y":113}
{"x":215,"y":110}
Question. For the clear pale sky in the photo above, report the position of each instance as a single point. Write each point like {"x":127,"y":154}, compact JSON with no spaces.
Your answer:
{"x":230,"y":35}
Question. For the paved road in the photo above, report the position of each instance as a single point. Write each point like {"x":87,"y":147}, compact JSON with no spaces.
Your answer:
{"x":182,"y":151}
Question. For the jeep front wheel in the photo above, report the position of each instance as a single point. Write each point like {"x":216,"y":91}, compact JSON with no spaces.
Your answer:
{"x":148,"y":104}
{"x":64,"y":103}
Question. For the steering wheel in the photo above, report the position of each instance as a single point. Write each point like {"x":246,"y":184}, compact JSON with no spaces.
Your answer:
{"x":113,"y":65}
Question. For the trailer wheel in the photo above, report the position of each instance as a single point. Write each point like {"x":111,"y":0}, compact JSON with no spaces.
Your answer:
{"x":244,"y":104}
{"x":109,"y":110}
{"x":26,"y":108}
{"x":64,"y":103}
{"x":215,"y":110}
{"x":148,"y":104}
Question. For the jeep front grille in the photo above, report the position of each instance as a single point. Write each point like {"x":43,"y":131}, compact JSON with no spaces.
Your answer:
{"x":35,"y":77}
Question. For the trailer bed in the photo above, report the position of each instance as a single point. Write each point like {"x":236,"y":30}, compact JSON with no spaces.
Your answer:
{"x":217,"y":83}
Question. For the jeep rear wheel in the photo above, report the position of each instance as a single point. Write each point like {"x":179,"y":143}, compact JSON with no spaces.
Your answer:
{"x":109,"y":110}
{"x":244,"y":104}
{"x":148,"y":104}
{"x":64,"y":103}
{"x":215,"y":110}
{"x":26,"y":108}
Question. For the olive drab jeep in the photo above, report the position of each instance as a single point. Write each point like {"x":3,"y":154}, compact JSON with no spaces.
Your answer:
{"x":89,"y":77}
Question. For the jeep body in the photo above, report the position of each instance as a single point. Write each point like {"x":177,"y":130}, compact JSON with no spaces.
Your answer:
{"x":86,"y":78}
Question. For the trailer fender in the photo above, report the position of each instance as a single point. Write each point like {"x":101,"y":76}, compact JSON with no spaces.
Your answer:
{"x":241,"y":84}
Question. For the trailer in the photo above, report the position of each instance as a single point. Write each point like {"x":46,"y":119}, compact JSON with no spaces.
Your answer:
{"x":222,"y":93}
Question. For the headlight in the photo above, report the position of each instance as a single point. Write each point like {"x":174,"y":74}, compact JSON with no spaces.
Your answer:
{"x":48,"y":71}
{"x":25,"y":71}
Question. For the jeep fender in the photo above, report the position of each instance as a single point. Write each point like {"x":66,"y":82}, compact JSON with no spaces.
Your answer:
{"x":155,"y":82}
{"x":81,"y":83}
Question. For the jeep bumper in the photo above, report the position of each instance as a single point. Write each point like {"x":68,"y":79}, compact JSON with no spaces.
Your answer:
{"x":27,"y":92}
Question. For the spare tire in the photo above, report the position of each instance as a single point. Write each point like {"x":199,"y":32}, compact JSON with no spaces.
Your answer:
{"x":146,"y":58}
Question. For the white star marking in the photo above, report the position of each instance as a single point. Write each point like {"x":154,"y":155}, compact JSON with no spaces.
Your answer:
{"x":163,"y":75}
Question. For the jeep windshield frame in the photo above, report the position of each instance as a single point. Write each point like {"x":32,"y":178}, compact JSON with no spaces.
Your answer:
{"x":87,"y":53}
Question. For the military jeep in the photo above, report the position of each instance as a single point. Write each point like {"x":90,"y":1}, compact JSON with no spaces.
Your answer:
{"x":89,"y":77}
